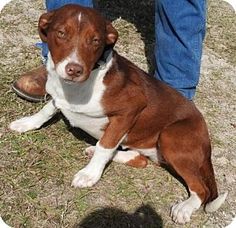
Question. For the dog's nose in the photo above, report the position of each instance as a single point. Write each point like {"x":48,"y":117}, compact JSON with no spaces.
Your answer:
{"x":74,"y":69}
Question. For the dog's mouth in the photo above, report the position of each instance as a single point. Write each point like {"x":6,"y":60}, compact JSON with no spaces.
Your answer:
{"x":74,"y":80}
{"x":69,"y":81}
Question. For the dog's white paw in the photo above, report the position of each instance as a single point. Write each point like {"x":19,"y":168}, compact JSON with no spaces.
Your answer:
{"x":182,"y":212}
{"x":24,"y":124}
{"x":85,"y":178}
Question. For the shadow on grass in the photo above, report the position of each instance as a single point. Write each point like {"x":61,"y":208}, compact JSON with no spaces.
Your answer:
{"x":110,"y":217}
{"x":139,"y":13}
{"x":79,"y":133}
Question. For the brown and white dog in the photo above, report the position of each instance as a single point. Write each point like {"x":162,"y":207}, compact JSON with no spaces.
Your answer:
{"x":114,"y":101}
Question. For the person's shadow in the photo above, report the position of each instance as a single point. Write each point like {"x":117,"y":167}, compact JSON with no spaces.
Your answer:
{"x":139,"y":13}
{"x":110,"y":217}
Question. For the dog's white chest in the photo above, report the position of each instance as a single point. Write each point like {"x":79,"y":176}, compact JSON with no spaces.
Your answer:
{"x":80,"y":102}
{"x":92,"y":125}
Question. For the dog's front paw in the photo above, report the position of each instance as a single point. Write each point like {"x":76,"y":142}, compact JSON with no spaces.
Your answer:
{"x":85,"y":178}
{"x":24,"y":124}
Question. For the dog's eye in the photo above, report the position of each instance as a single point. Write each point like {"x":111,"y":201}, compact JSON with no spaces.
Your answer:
{"x":96,"y":41}
{"x":61,"y":34}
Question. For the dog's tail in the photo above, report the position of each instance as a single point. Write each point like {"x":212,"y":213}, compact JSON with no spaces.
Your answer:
{"x":214,"y":200}
{"x":216,"y":203}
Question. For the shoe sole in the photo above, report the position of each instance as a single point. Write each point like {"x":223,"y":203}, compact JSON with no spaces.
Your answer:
{"x":29,"y":97}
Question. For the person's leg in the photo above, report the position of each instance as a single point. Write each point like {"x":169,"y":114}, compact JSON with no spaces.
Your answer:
{"x":179,"y":31}
{"x":52,"y":4}
{"x":31,"y":85}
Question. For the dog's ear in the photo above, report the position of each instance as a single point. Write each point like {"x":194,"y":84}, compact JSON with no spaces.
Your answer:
{"x":112,"y":34}
{"x":43,"y":24}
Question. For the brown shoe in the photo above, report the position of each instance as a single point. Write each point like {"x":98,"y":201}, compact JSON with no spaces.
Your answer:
{"x":31,"y":85}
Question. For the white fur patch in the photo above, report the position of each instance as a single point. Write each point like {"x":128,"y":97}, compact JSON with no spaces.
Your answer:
{"x":61,"y":66}
{"x":120,"y":155}
{"x":151,"y":153}
{"x":182,"y":212}
{"x":79,"y":17}
{"x":125,"y":156}
{"x":80,"y":102}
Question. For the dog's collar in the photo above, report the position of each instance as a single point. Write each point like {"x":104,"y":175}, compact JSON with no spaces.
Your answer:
{"x":103,"y":59}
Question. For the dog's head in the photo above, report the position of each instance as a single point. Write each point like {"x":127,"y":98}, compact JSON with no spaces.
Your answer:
{"x":77,"y":37}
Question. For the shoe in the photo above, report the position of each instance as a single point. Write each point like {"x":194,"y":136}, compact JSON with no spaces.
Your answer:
{"x":31,"y":85}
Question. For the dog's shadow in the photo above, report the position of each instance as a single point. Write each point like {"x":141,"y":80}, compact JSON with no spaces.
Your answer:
{"x":141,"y":14}
{"x":111,"y":217}
{"x":76,"y":132}
{"x":80,"y":134}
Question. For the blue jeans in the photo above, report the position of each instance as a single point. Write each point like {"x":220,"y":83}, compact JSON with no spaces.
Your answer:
{"x":179,"y":32}
{"x":54,"y":4}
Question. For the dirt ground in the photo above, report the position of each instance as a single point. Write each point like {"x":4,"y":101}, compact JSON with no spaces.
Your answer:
{"x":36,"y":168}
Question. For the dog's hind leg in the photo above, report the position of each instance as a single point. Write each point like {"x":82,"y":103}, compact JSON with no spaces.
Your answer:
{"x":132,"y":158}
{"x":186,"y":148}
{"x":129,"y":157}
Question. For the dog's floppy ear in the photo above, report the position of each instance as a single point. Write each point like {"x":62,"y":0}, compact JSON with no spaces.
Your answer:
{"x":43,"y":24}
{"x":112,"y":34}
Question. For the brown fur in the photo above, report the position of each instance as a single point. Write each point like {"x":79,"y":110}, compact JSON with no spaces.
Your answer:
{"x":138,"y":162}
{"x":155,"y":115}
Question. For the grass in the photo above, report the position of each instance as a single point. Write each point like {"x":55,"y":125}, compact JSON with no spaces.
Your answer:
{"x":36,"y":168}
